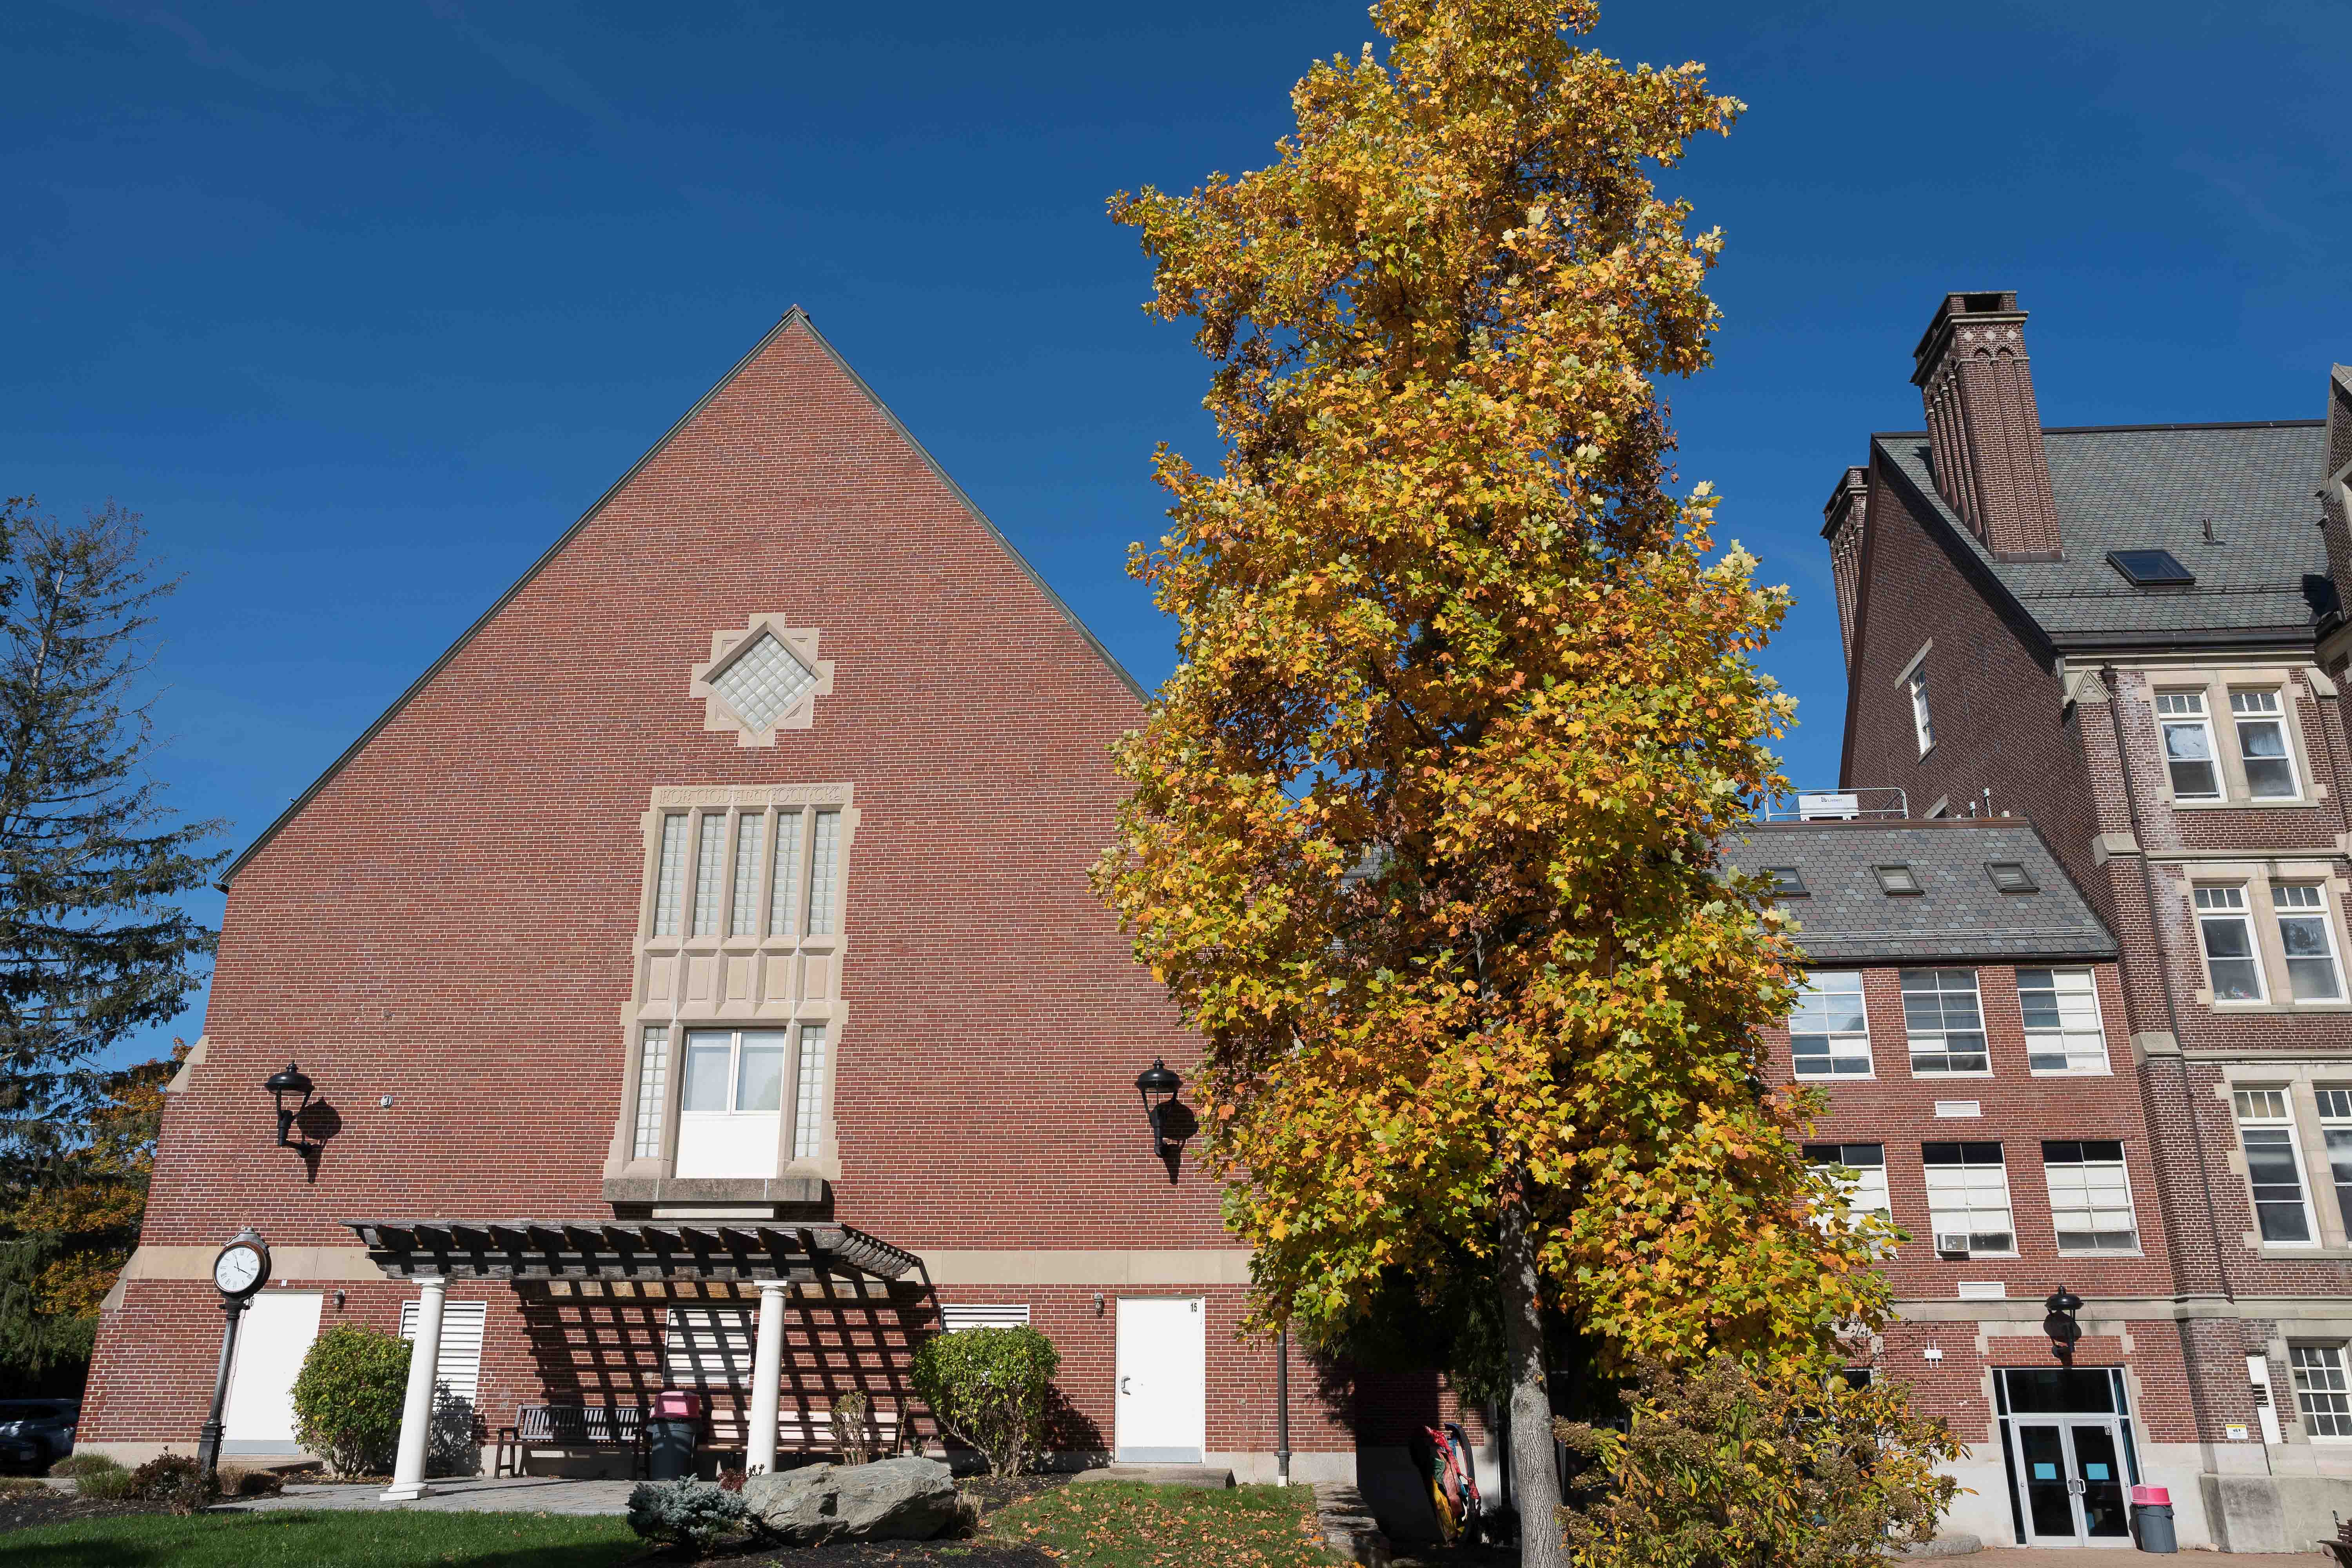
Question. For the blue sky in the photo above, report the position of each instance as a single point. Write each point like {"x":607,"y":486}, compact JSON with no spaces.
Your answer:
{"x":361,"y":306}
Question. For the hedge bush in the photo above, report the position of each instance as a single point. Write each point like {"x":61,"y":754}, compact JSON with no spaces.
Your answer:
{"x":989,"y":1388}
{"x":348,"y":1398}
{"x":688,"y":1510}
{"x":174,"y":1480}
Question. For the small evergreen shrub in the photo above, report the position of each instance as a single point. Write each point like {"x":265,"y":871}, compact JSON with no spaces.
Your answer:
{"x":990,"y":1387}
{"x":687,"y":1510}
{"x":348,"y":1397}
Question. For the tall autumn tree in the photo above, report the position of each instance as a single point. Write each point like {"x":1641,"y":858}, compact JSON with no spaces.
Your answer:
{"x":1422,"y":831}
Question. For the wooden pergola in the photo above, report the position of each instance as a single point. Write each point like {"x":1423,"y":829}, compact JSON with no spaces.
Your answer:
{"x":773,"y":1256}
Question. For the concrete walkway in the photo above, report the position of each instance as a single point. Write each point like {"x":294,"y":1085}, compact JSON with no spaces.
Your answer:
{"x":478,"y":1494}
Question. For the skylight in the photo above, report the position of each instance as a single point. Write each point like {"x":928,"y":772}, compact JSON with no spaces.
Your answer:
{"x":2011,"y":876}
{"x":2151,"y":568}
{"x":1788,"y":882}
{"x":1897,"y":880}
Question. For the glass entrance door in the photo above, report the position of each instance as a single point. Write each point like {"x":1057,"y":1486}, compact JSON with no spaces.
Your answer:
{"x":2072,"y":1475}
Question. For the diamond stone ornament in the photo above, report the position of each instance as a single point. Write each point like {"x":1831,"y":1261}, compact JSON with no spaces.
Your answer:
{"x":764,"y":682}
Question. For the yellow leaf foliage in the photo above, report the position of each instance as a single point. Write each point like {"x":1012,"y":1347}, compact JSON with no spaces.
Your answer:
{"x":1422,"y":835}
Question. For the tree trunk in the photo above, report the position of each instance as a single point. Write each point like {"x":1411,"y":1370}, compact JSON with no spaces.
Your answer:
{"x":1535,"y":1482}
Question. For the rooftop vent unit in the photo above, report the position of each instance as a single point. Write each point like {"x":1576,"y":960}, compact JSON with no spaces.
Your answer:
{"x":2151,"y":568}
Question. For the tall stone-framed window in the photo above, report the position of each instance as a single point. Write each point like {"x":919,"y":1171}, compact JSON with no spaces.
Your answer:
{"x":761,"y":678}
{"x":735,"y":1017}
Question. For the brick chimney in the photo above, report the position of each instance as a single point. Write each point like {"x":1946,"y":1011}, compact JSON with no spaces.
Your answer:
{"x":1842,"y":520}
{"x":1984,"y":433}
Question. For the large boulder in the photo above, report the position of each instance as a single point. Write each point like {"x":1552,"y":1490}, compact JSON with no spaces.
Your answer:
{"x":890,"y":1499}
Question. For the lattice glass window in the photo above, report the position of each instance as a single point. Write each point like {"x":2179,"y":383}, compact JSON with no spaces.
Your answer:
{"x":2090,"y":1197}
{"x":2322,"y":1392}
{"x":1968,"y":1197}
{"x":1945,"y":1024}
{"x":2230,"y":966}
{"x":2261,"y":745}
{"x":710,"y":868}
{"x":808,"y":1103}
{"x":825,"y":874}
{"x":784,"y":914}
{"x":2274,"y":1166}
{"x":2188,"y":745}
{"x":751,"y":834}
{"x":764,"y":682}
{"x":2312,"y":974}
{"x":2336,"y":1125}
{"x":1828,"y":1034}
{"x":2061,"y":1021}
{"x":653,"y":1092}
{"x":1860,"y":1172}
{"x":670,"y":873}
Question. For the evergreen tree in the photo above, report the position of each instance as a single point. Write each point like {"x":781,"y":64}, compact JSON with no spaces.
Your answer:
{"x":93,"y":942}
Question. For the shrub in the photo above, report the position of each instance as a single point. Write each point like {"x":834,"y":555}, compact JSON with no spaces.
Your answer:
{"x":988,"y":1388}
{"x":95,"y":1476}
{"x":853,"y":1432}
{"x":1721,"y":1466}
{"x":172,"y":1479}
{"x":348,"y":1396}
{"x":687,"y":1510}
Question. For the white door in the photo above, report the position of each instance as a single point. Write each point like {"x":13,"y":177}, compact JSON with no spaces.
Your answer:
{"x":1161,"y":1413}
{"x":272,"y":1338}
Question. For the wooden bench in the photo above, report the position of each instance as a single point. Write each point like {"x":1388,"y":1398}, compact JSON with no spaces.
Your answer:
{"x":571,"y":1426}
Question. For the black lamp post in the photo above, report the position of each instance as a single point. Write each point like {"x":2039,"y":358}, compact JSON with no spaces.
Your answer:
{"x":292,"y":1082}
{"x":2061,"y":1326}
{"x":1158,"y":1086}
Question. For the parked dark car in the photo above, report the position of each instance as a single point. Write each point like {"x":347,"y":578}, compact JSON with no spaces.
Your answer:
{"x":37,"y":1433}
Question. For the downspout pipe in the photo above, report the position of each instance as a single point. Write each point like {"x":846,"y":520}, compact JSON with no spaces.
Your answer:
{"x":1282,"y":1407}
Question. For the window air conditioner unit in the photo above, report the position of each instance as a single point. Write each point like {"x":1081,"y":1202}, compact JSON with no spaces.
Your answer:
{"x":1955,"y":1245}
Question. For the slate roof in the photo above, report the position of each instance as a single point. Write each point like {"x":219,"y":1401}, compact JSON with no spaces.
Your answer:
{"x":2153,"y":488}
{"x":1847,"y":918}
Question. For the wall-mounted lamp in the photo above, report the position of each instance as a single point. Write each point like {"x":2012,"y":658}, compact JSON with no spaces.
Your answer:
{"x":291,"y":1082}
{"x":1158,"y":1086}
{"x":2061,"y":1326}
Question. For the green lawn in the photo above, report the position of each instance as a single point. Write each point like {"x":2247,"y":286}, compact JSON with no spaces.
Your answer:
{"x":1110,"y":1524}
{"x":292,"y":1540}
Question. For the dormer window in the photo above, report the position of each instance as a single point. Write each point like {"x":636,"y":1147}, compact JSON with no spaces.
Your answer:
{"x":1896,"y":881}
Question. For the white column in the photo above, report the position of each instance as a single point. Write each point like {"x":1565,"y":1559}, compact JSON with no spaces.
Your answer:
{"x":416,"y":1414}
{"x":767,"y":1377}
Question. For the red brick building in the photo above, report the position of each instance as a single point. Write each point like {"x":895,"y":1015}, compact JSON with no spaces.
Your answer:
{"x":2133,"y":637}
{"x":706,"y":939}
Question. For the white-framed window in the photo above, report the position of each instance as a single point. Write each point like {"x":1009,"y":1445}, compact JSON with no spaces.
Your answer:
{"x":732,"y":1098}
{"x":1922,"y":726}
{"x":2263,"y":747}
{"x":2189,"y":745}
{"x":1859,"y":1170}
{"x":2090,"y":1195}
{"x":1828,"y":1036}
{"x":955,"y":1319}
{"x":1944,"y":1021}
{"x":2335,"y":1126}
{"x":2322,"y":1392}
{"x":2233,"y":968}
{"x":1968,"y":1198}
{"x":2308,"y":940}
{"x":2274,"y":1167}
{"x":2063,"y":1032}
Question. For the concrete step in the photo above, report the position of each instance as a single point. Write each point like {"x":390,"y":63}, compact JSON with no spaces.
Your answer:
{"x":1206,"y":1478}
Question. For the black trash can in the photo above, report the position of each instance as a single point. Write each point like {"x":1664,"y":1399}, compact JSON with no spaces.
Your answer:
{"x":669,"y":1449}
{"x":2152,"y":1518}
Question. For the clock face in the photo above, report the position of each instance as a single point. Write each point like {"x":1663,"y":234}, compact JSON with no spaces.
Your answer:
{"x":236,"y":1271}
